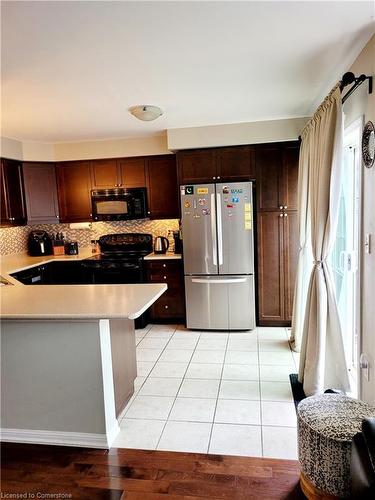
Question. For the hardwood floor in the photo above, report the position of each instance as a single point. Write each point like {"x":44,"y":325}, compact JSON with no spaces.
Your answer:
{"x":121,"y":474}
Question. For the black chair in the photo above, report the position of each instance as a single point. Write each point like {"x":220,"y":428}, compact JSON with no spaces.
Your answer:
{"x":362,"y":467}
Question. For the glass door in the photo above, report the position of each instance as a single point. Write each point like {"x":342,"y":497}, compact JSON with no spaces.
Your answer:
{"x":345,"y":253}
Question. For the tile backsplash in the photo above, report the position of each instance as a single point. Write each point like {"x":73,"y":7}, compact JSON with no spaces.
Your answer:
{"x":14,"y":239}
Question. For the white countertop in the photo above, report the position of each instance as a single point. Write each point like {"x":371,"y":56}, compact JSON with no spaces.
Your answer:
{"x":78,"y":301}
{"x":19,"y":261}
{"x":20,"y":301}
{"x":163,"y":256}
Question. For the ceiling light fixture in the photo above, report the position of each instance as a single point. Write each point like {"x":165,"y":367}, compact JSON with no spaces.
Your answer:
{"x":145,"y":112}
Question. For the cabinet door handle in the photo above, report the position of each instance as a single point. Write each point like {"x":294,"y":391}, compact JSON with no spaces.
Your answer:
{"x":285,"y":207}
{"x":166,"y":307}
{"x":285,"y":215}
{"x":281,"y":207}
{"x":214,"y":178}
{"x":164,"y":277}
{"x":164,"y":265}
{"x":218,"y":177}
{"x":281,"y":215}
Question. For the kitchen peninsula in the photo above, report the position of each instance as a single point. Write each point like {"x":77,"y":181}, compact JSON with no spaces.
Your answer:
{"x":68,"y":358}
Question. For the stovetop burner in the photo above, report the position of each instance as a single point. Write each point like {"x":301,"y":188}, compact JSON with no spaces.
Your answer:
{"x":118,"y":256}
{"x":123,"y":247}
{"x":126,"y":242}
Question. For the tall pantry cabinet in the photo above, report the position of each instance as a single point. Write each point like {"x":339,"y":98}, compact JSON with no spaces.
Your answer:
{"x":277,"y":231}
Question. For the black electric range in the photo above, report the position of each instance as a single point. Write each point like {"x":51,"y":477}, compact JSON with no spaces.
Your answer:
{"x":120,"y":261}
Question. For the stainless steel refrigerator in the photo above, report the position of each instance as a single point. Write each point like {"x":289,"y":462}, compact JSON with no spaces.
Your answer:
{"x":218,"y":252}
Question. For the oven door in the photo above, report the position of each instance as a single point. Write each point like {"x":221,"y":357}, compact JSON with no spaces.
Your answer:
{"x":111,"y":273}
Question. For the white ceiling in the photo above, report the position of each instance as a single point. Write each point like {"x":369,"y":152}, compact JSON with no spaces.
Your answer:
{"x":70,"y":70}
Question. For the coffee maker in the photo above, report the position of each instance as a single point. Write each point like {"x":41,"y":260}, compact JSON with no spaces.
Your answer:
{"x":39,"y":243}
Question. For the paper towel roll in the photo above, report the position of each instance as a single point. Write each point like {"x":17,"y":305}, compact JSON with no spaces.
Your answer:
{"x":80,"y":225}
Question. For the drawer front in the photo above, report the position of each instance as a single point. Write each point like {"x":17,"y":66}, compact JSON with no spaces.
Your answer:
{"x":165,"y":272}
{"x":163,"y":277}
{"x":169,"y":305}
{"x":171,"y":265}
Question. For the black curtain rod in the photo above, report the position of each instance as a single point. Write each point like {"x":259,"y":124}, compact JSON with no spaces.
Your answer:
{"x":350,"y":78}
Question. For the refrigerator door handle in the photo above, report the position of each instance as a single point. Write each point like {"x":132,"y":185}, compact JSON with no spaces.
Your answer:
{"x":218,"y":281}
{"x":219,"y":229}
{"x":213,"y":230}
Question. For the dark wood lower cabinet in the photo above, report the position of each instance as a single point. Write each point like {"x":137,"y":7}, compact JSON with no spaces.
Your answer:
{"x":270,"y":268}
{"x":171,"y":305}
{"x":277,"y":260}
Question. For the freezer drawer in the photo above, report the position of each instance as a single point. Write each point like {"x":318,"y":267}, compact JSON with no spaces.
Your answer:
{"x":220,"y":302}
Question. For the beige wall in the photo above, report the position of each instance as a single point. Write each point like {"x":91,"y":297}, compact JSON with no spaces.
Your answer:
{"x":10,"y":148}
{"x":37,"y":151}
{"x":359,"y":104}
{"x":235,"y":133}
{"x":173,"y":139}
{"x":151,"y":145}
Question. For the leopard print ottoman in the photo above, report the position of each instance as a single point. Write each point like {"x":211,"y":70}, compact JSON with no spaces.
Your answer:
{"x":326,"y":425}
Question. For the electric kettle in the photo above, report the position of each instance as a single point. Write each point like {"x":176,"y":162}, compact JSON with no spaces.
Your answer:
{"x":161,"y":244}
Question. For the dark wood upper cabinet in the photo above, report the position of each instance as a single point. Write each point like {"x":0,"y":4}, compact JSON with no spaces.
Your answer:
{"x":41,"y":193}
{"x":133,"y":172}
{"x":105,"y":173}
{"x":13,"y":211}
{"x":196,"y":166}
{"x":235,"y":163}
{"x":289,"y":177}
{"x":268,"y":176}
{"x":162,"y":187}
{"x":4,"y":215}
{"x":74,"y":186}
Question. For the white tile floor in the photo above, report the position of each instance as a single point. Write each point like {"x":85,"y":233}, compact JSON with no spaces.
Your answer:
{"x":212,"y":392}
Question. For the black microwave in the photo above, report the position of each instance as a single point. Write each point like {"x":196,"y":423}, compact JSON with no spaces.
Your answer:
{"x":119,"y":204}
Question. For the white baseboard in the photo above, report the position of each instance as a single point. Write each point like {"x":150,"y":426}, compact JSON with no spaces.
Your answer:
{"x":81,"y":439}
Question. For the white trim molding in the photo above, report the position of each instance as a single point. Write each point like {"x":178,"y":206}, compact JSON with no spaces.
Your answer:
{"x":80,"y":439}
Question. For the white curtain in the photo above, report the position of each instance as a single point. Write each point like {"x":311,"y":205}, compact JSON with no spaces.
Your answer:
{"x":316,"y":325}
